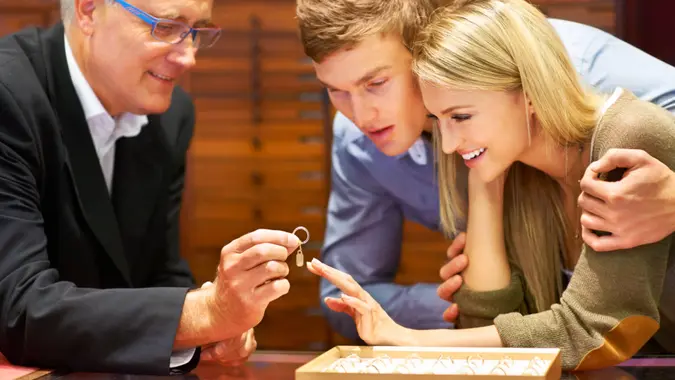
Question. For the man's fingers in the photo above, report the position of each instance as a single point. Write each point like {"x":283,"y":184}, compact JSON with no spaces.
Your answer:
{"x":589,"y":203}
{"x":451,"y":313}
{"x":207,"y":284}
{"x":282,"y":238}
{"x":591,"y":185}
{"x":272,"y":290}
{"x":265,"y":272}
{"x":207,"y":355}
{"x":457,"y":245}
{"x":614,"y":158}
{"x":251,"y":342}
{"x":602,"y":243}
{"x":455,"y":266}
{"x":594,"y":222}
{"x":619,"y":158}
{"x":263,"y":253}
{"x":249,"y":346}
{"x":448,"y":288}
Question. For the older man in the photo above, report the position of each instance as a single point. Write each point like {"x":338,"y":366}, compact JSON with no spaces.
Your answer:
{"x":94,"y":134}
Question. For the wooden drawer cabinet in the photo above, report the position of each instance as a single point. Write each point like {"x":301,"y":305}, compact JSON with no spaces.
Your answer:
{"x":247,"y":179}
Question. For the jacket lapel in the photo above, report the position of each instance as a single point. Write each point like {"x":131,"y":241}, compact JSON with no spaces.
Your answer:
{"x":82,"y":160}
{"x":138,"y":178}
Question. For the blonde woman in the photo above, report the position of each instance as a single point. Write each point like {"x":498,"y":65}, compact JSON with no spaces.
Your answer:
{"x":509,"y":108}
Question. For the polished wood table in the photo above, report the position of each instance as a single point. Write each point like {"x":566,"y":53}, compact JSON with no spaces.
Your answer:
{"x":265,"y":365}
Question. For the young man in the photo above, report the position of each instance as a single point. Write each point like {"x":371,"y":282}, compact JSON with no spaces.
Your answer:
{"x":382,"y":161}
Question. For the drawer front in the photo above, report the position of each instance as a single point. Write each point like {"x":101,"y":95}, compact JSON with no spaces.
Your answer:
{"x":246,"y":42}
{"x":213,"y":234}
{"x":305,"y":206}
{"x":272,"y":87}
{"x":257,"y":149}
{"x":245,"y":179}
{"x":272,"y":15}
{"x":230,"y":110}
{"x":302,"y":130}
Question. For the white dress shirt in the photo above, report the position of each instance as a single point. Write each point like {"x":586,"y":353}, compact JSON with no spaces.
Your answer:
{"x":105,"y":131}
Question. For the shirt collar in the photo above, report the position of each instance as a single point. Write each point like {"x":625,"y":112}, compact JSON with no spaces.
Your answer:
{"x":417,"y":152}
{"x":91,"y":105}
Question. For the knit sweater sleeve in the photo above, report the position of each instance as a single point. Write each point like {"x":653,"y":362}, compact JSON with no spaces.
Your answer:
{"x":611,"y":307}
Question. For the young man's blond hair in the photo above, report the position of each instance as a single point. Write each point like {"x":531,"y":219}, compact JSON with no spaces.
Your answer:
{"x":327,"y":26}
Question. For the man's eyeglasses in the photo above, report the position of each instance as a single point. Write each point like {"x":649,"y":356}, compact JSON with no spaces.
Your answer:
{"x":174,"y":32}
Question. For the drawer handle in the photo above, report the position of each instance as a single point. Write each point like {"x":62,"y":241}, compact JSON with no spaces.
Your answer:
{"x":257,"y":179}
{"x":314,"y":175}
{"x":257,"y":215}
{"x":310,"y":97}
{"x":307,"y":78}
{"x":311,"y":139}
{"x":314,"y":245}
{"x":257,"y":144}
{"x":310,"y":115}
{"x":311,"y":210}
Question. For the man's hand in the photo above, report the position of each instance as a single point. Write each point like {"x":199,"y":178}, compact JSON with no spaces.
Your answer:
{"x":230,"y":352}
{"x":639,"y":209}
{"x":450,"y":274}
{"x":251,"y":274}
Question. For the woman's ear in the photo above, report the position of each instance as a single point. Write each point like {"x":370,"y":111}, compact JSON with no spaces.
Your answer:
{"x":528,"y":105}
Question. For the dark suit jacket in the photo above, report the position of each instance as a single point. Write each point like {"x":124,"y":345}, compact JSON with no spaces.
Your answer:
{"x":88,"y":281}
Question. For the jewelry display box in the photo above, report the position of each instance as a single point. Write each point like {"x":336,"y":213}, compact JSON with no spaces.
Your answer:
{"x":400,"y":363}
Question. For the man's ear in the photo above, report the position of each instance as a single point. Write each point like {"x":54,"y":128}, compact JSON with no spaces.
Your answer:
{"x":84,"y":15}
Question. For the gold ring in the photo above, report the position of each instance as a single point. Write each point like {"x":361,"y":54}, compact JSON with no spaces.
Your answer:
{"x":499,"y":367}
{"x":301,"y":228}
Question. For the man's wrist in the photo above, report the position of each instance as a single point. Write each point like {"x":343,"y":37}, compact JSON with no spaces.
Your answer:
{"x":197,"y":324}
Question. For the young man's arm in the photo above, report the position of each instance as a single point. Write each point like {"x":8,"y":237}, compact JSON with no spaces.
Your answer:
{"x":606,"y":62}
{"x":363,"y":238}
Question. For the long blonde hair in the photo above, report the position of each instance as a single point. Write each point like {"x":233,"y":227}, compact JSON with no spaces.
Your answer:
{"x":506,"y":45}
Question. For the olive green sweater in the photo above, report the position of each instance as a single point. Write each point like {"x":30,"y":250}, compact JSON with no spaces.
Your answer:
{"x":616,"y":301}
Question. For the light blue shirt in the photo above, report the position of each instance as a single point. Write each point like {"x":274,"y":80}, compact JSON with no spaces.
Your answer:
{"x":373,"y":193}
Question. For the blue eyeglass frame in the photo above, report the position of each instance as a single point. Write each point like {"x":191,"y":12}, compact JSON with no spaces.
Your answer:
{"x":153,"y":21}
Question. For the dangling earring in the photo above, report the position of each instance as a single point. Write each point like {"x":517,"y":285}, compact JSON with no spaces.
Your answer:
{"x":527,"y":120}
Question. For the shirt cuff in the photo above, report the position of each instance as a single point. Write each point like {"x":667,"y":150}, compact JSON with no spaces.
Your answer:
{"x":181,"y":358}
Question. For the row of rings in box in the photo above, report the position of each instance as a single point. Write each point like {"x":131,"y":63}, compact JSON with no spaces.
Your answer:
{"x":443,"y":365}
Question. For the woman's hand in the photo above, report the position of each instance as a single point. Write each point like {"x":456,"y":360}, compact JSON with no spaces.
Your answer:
{"x":374,"y":325}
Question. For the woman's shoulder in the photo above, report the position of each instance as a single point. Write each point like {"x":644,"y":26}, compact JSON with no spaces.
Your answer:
{"x":632,"y":123}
